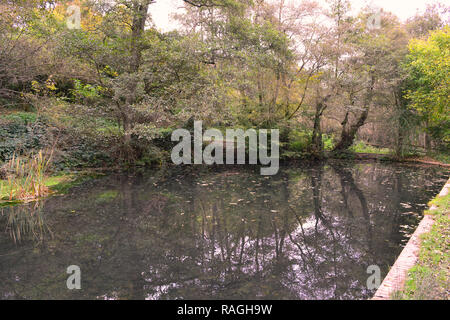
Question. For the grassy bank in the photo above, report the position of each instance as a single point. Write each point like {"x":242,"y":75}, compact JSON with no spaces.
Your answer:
{"x":361,"y":147}
{"x":429,"y":279}
{"x":59,"y":184}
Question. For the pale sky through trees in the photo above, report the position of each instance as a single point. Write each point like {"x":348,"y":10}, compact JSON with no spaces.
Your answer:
{"x":161,"y":10}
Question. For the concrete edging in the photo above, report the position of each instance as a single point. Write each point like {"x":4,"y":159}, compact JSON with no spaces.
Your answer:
{"x":395,"y":279}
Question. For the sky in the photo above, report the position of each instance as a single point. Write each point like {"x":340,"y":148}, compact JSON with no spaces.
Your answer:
{"x":161,"y":10}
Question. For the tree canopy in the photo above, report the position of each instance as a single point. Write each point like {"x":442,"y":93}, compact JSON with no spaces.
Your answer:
{"x":325,"y":76}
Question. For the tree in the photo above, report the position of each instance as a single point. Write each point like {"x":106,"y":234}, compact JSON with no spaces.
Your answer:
{"x":248,"y":54}
{"x":23,"y":55}
{"x":366,"y":64}
{"x":432,"y":19}
{"x":331,"y":55}
{"x":429,"y":75}
{"x":142,"y":76}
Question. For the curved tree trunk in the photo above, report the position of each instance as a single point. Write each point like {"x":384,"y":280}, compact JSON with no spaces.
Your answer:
{"x":348,"y":134}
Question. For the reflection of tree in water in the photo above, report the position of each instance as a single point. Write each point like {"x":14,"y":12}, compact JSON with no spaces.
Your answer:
{"x":305,"y":233}
{"x":328,"y":252}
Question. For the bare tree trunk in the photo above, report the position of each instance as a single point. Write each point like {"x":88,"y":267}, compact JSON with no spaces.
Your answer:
{"x":427,"y":142}
{"x":427,"y":138}
{"x":140,"y":11}
{"x":348,"y":135}
{"x":316,"y":139}
{"x":400,"y":141}
{"x":140,"y":14}
{"x":126,"y":129}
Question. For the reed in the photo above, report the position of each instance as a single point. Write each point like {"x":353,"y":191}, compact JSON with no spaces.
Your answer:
{"x":26,"y":181}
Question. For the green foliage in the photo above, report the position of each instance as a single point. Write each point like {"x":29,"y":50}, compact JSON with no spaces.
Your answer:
{"x":299,"y":140}
{"x":361,"y":147}
{"x":237,"y":63}
{"x":298,"y":143}
{"x":328,"y":142}
{"x":85,"y":152}
{"x":21,"y":117}
{"x":21,"y":133}
{"x":429,"y":74}
{"x":87,"y":91}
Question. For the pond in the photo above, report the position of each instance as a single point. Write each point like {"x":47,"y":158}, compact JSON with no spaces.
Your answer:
{"x":310,"y":232}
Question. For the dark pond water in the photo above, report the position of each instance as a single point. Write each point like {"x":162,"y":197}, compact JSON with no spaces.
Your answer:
{"x":309,"y":232}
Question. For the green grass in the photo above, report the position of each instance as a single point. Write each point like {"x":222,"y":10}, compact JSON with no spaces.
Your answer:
{"x":429,"y":279}
{"x":361,"y":147}
{"x":59,"y":184}
{"x":50,"y":182}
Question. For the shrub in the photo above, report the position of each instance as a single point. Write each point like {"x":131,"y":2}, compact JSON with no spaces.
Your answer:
{"x":328,"y":141}
{"x":299,"y":140}
{"x":21,"y":133}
